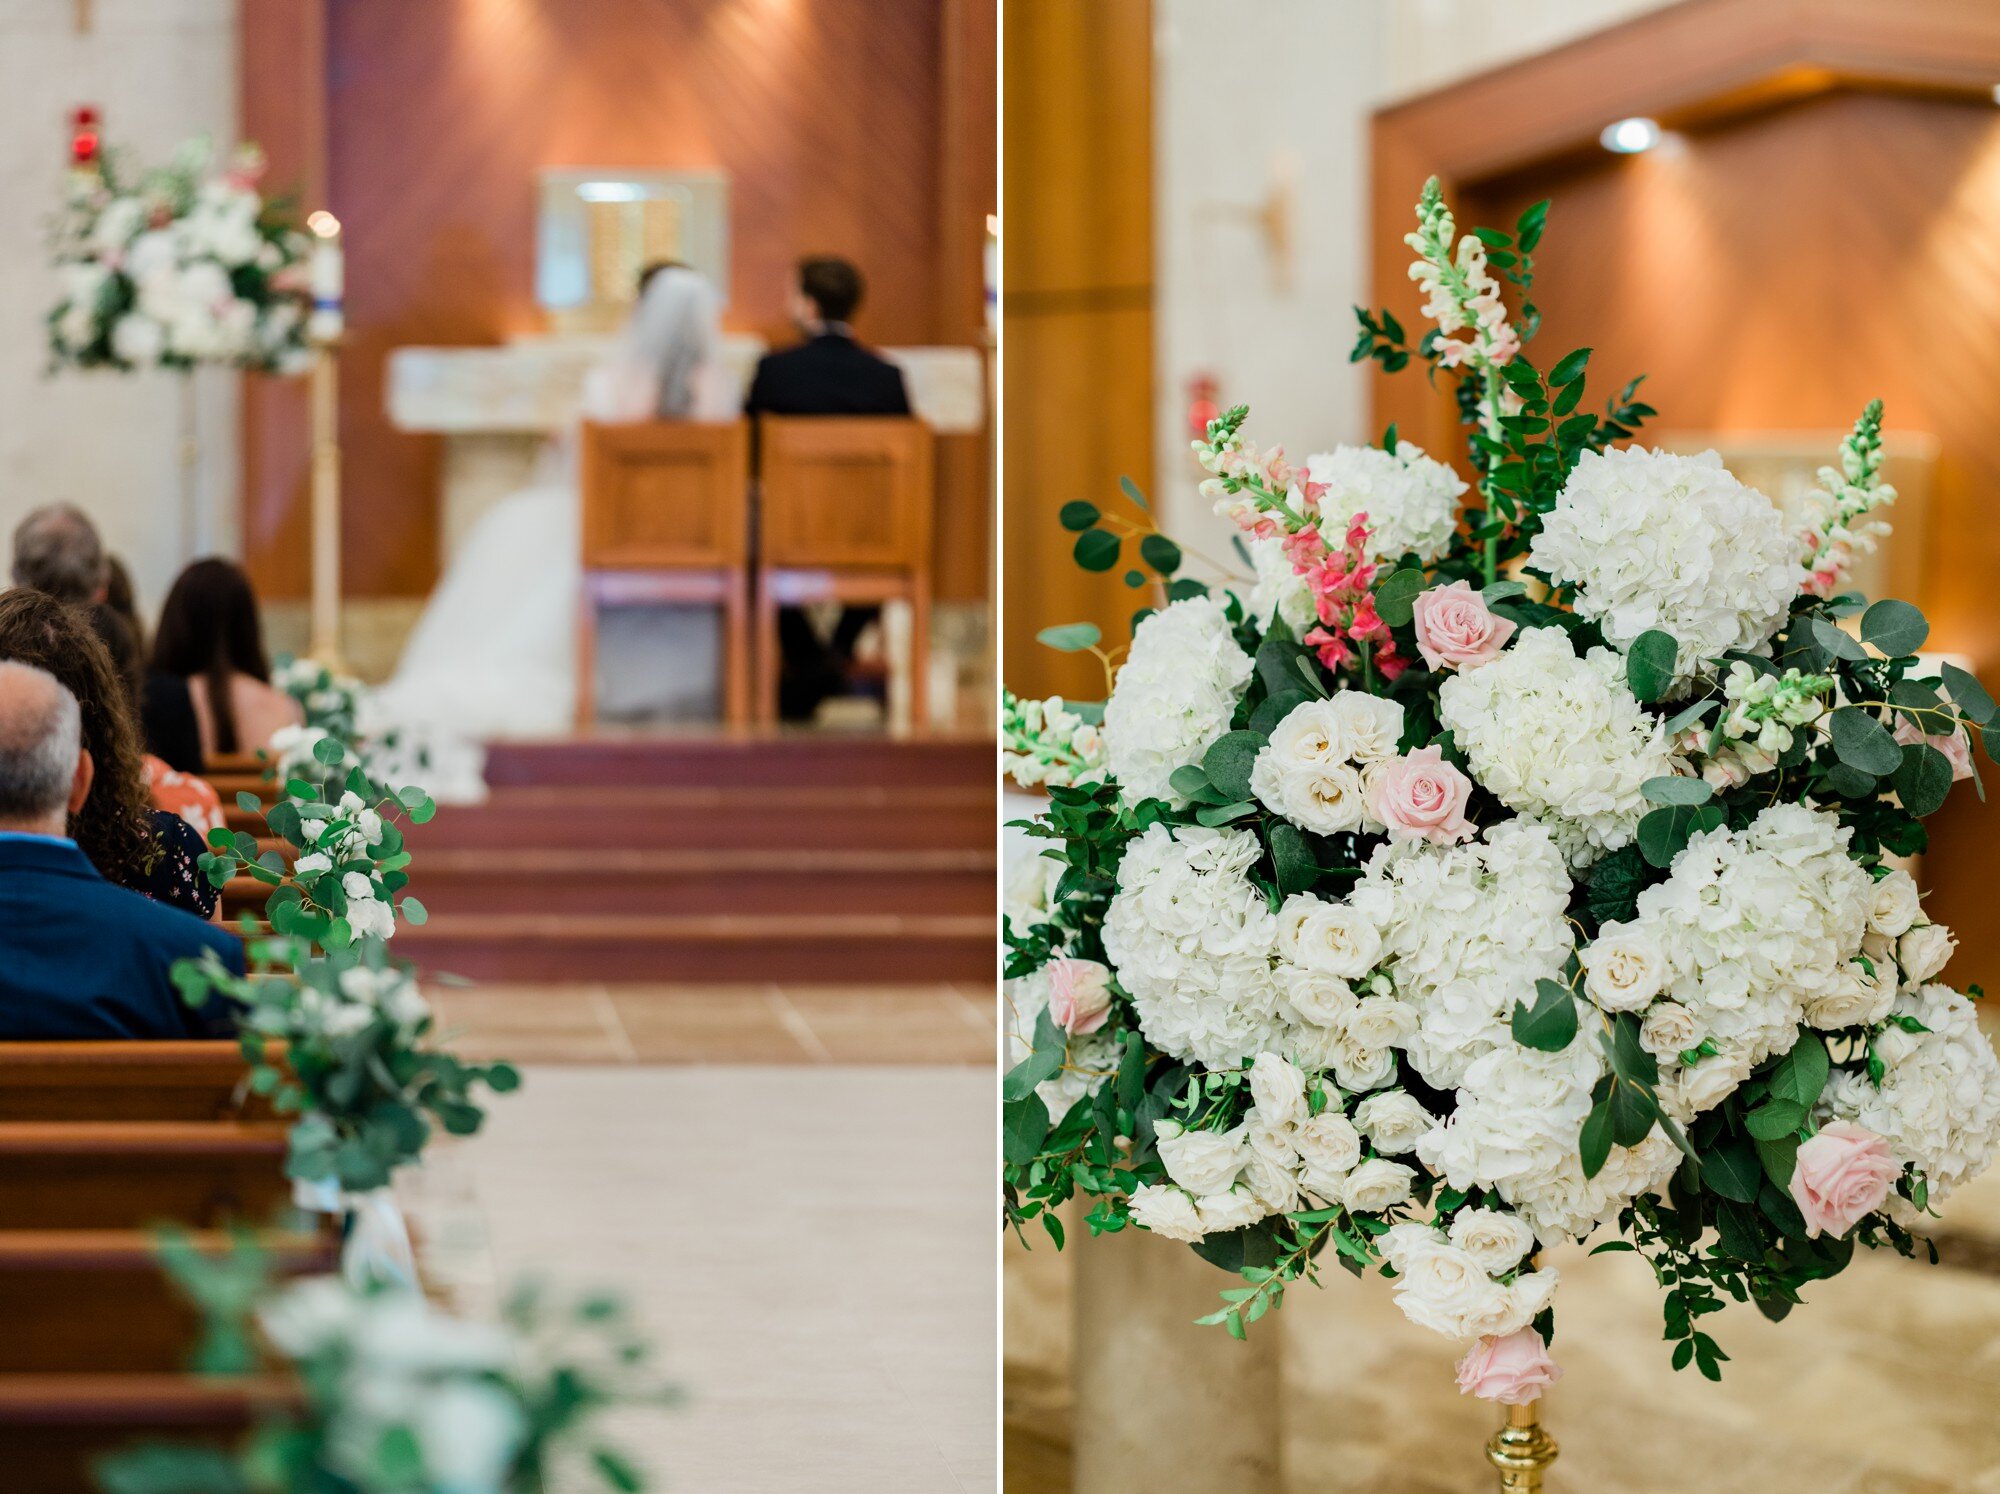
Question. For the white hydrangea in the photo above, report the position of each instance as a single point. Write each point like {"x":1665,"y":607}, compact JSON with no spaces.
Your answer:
{"x":1515,"y":1130}
{"x":1755,"y":928}
{"x":1192,"y":941}
{"x":1465,"y":932}
{"x":1173,"y":697}
{"x":1411,"y":500}
{"x":1651,"y":539}
{"x":1559,"y":739}
{"x":1939,"y":1102}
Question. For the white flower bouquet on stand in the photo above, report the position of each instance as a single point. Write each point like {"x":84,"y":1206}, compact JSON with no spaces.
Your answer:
{"x":179,"y":266}
{"x":1481,"y":880}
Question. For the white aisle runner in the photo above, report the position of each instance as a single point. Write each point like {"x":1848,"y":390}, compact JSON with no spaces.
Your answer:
{"x":811,"y":1248}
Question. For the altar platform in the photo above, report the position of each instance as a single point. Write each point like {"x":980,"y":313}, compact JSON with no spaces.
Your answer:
{"x":790,"y":857}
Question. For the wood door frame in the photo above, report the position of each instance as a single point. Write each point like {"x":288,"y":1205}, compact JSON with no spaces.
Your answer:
{"x":1692,"y":66}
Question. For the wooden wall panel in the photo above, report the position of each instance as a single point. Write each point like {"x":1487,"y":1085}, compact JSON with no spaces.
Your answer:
{"x":283,"y":68}
{"x":1077,"y":313}
{"x":827,"y":114}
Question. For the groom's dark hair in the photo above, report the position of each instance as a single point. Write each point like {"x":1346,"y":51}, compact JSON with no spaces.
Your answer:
{"x":832,"y":284}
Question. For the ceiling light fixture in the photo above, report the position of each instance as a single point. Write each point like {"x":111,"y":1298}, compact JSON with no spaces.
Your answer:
{"x":1628,"y":137}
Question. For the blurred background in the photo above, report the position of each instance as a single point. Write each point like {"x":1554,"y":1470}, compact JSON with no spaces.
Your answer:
{"x":1776,"y":212}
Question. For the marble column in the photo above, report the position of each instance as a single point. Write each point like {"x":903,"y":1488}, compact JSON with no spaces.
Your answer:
{"x":1160,"y":1402}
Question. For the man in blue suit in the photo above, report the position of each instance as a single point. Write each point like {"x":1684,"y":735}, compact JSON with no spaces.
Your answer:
{"x":79,"y":958}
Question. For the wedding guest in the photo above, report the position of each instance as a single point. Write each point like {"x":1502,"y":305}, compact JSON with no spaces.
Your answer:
{"x":185,"y":794}
{"x":208,"y":653}
{"x":830,"y":373}
{"x":79,"y":957}
{"x":123,"y":598}
{"x":129,"y":842}
{"x":57,"y":551}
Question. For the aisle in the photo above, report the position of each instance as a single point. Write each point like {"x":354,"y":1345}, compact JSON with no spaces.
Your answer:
{"x":805,"y":1242}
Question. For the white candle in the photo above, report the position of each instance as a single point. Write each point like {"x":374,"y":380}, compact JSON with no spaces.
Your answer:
{"x":329,"y":278}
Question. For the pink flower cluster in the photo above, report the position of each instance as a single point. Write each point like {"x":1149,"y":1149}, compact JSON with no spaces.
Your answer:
{"x":1342,"y":581}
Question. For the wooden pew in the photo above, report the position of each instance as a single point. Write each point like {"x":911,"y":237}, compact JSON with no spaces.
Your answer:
{"x":133,"y":1174}
{"x":844,"y":514}
{"x":98,"y":1301}
{"x":53,"y":1428}
{"x":126,"y":1081}
{"x":666,"y":519}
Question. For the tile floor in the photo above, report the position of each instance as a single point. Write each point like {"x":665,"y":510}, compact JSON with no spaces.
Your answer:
{"x":915,"y":1024}
{"x":808,"y":1237}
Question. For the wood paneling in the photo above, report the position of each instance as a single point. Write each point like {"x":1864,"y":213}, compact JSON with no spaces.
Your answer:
{"x":1077,"y":313}
{"x":827,"y":114}
{"x":1775,"y":269}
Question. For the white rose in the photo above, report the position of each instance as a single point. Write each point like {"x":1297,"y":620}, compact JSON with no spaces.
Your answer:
{"x":1272,"y":1144}
{"x":1923,"y":951}
{"x":1167,"y":1211}
{"x":1320,"y":999}
{"x":1203,"y":1162}
{"x":1325,"y":798}
{"x":1275,"y":1188}
{"x":312,"y":864}
{"x":1497,"y":1241}
{"x":1895,"y":905}
{"x":1705,"y":1085}
{"x":1669,"y":1030}
{"x":1278,"y":1089}
{"x":1376,"y":1185}
{"x":1624,"y":968}
{"x":1854,"y":999}
{"x":1310,"y":736}
{"x":1395,"y":1120}
{"x":1370,"y":725}
{"x":1438,"y":1286}
{"x":1330,"y":938}
{"x":1380,"y":1022}
{"x":1222,"y":1212}
{"x":1357,"y":1069}
{"x":1327,"y":1142}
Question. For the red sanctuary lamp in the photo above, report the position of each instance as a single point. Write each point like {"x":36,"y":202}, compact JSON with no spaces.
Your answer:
{"x":1202,"y":407}
{"x":86,"y":142}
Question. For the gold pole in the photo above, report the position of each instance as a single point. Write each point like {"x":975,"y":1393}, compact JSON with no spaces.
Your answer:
{"x":1522,"y":1450}
{"x":325,"y":645}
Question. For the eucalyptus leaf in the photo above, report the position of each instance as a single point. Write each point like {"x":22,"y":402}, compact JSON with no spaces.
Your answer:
{"x":1230,"y":759}
{"x":1649,"y":664}
{"x":1071,"y":638}
{"x":1550,"y":1025}
{"x":1894,"y":627}
{"x":1096,"y":549}
{"x":1674,"y":789}
{"x":1078,"y":515}
{"x":1863,"y":743}
{"x":1396,"y":597}
{"x":1924,"y":780}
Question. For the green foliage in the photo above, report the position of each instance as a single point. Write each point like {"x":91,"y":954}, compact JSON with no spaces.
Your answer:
{"x":1550,"y":1025}
{"x":1649,"y":664}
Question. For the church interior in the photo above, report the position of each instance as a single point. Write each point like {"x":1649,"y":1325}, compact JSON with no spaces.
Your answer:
{"x":728,"y":917}
{"x":1798,"y":212}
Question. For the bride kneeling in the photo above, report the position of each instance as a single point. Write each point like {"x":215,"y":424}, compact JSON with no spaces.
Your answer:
{"x":494,"y":654}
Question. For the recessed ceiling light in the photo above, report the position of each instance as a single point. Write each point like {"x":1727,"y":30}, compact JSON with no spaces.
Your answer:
{"x":1630,"y":136}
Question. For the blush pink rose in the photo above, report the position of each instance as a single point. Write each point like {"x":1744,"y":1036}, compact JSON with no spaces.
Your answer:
{"x":1421,"y":797}
{"x":1513,"y":1370}
{"x":1456,"y":629}
{"x":1842,"y":1175}
{"x":1956,"y":747}
{"x":1079,"y":995}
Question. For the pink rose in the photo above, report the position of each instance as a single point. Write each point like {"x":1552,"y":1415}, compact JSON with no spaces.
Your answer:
{"x":1421,"y":797}
{"x":1842,"y":1175}
{"x":1513,"y":1370}
{"x":1956,"y":746}
{"x":1079,"y":995}
{"x":1455,"y":628}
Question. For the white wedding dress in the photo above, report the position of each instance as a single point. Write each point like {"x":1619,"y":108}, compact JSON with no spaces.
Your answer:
{"x":494,"y":654}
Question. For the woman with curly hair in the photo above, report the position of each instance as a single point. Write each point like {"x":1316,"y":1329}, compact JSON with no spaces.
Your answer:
{"x":127,"y":840}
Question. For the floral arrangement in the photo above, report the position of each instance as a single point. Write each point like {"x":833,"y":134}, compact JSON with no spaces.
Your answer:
{"x":359,"y":1070}
{"x":336,"y":706}
{"x":179,"y":266}
{"x":1477,"y":882}
{"x":399,"y":1397}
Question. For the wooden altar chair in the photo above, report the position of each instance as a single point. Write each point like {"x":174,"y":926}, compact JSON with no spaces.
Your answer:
{"x":666,"y":520}
{"x":844,"y":515}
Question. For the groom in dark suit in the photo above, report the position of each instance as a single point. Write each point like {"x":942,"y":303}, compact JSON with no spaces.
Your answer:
{"x":828,"y":374}
{"x":79,"y":958}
